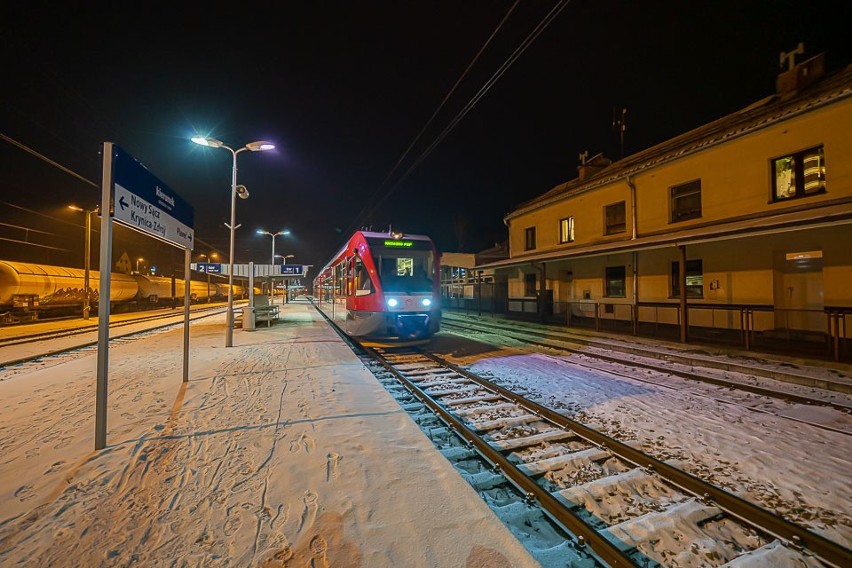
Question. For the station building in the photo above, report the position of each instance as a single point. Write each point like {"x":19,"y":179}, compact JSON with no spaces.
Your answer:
{"x":738,"y":231}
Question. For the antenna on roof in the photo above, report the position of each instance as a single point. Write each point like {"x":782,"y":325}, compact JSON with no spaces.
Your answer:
{"x":790,"y":57}
{"x":619,"y":123}
{"x":583,"y":157}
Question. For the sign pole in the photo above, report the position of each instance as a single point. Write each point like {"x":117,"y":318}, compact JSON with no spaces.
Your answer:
{"x":133,"y":196}
{"x":105,"y":268}
{"x":186,"y":300}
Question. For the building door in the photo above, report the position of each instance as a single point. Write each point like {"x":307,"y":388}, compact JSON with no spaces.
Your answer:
{"x":798,"y":291}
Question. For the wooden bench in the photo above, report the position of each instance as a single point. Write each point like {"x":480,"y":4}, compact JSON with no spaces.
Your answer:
{"x":264,"y":311}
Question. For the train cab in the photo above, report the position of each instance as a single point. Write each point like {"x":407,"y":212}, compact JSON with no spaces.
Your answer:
{"x":382,"y":286}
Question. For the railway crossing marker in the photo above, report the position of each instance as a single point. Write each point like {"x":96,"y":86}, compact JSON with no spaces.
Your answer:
{"x":138,"y":199}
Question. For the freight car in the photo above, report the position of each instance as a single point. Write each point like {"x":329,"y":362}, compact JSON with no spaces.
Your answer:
{"x":28,"y":291}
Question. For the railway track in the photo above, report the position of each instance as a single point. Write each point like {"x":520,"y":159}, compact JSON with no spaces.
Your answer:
{"x":619,"y":505}
{"x":89,"y":327}
{"x":599,"y":354}
{"x":71,"y":333}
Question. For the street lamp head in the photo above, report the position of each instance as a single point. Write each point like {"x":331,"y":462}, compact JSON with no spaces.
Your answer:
{"x":259,"y":146}
{"x":75,"y":208}
{"x":242,"y":192}
{"x":262,"y":232}
{"x":211,"y":142}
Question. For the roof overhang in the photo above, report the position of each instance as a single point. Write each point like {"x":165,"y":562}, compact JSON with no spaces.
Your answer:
{"x":833,"y":214}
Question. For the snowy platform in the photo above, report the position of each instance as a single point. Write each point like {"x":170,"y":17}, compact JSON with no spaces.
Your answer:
{"x":282,"y":450}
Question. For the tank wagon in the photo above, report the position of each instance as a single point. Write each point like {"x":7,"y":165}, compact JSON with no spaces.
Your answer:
{"x":28,"y":290}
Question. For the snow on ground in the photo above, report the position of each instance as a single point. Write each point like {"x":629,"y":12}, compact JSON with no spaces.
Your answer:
{"x":269,"y":456}
{"x":727,"y":437}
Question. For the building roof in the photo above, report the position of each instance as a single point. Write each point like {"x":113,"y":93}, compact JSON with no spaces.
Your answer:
{"x":756,"y":116}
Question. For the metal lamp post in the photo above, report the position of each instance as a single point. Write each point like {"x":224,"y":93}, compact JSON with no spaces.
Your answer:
{"x":88,"y":257}
{"x":138,"y":260}
{"x":272,"y":261}
{"x":259,"y":146}
{"x":209,"y":257}
{"x":286,"y":280}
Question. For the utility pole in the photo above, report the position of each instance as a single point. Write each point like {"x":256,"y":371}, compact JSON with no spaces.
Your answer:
{"x":619,"y":123}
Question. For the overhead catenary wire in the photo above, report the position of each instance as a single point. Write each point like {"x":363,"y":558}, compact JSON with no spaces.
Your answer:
{"x":46,"y":159}
{"x":531,"y":37}
{"x":368,"y":206}
{"x":446,"y":98}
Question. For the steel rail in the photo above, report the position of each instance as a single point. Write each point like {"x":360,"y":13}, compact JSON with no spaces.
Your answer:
{"x":635,"y":347}
{"x":795,"y":536}
{"x":86,"y":328}
{"x":603,"y":548}
{"x":789,"y":397}
{"x":29,"y":358}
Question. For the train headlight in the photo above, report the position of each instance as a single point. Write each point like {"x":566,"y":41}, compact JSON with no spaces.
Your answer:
{"x":392,"y":302}
{"x":426,"y":302}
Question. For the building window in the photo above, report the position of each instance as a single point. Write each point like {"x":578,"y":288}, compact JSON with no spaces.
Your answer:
{"x":694,"y":279}
{"x":798,"y":175}
{"x":615,"y":282}
{"x":615,"y":221}
{"x":529,"y":238}
{"x":529,"y":284}
{"x":566,"y":230}
{"x":686,"y":201}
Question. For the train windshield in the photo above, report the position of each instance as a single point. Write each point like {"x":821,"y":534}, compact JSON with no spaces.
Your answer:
{"x":406,"y":271}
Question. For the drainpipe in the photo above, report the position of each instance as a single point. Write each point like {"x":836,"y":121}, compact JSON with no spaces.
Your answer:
{"x":542,"y":291}
{"x":634,"y":219}
{"x":632,"y":187}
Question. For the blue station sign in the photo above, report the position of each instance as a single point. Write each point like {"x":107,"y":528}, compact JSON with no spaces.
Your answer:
{"x":208,"y":267}
{"x":143,"y":202}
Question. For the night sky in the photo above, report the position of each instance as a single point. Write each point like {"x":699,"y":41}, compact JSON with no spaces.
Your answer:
{"x":343,"y":89}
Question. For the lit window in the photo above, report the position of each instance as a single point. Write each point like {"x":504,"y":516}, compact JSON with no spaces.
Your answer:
{"x":615,"y":282}
{"x":616,"y":222}
{"x":686,"y":201}
{"x":529,"y":238}
{"x":694,"y":279}
{"x":566,"y":230}
{"x":799,"y":174}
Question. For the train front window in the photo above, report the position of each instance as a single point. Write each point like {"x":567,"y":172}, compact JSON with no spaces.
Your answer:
{"x":406,"y":271}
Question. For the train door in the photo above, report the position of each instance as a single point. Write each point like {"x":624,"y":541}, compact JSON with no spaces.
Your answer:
{"x":798,"y":291}
{"x":339,"y":309}
{"x":350,"y":292}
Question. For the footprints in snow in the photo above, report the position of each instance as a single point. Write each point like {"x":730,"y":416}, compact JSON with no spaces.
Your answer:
{"x":304,"y":442}
{"x":332,"y":470}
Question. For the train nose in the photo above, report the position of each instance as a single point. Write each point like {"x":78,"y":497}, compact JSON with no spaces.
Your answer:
{"x":412,"y":325}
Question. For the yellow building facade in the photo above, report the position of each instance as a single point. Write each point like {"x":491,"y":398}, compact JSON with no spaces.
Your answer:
{"x":744,"y":225}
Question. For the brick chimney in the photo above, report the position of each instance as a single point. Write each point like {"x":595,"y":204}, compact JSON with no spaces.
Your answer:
{"x":590,"y":166}
{"x":797,"y":76}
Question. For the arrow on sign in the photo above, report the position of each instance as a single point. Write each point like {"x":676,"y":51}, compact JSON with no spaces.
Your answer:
{"x":123,"y":203}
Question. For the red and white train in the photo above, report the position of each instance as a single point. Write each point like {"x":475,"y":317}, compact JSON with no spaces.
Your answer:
{"x":382,"y":286}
